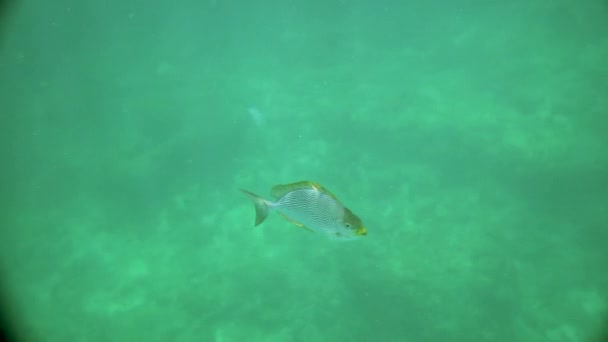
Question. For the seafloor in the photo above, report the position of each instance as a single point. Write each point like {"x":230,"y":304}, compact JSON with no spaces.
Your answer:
{"x":470,"y":138}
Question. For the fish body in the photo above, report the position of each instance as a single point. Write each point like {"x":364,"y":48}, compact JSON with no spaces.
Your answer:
{"x":310,"y":206}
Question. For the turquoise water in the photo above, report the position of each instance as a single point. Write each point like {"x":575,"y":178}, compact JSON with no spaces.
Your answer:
{"x":470,"y":137}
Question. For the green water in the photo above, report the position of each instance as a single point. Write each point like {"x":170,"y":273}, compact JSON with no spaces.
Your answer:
{"x":469,"y":136}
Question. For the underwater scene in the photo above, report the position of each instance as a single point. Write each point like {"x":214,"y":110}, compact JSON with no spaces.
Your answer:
{"x":230,"y":170}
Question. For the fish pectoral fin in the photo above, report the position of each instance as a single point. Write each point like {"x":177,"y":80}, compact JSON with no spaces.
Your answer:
{"x":296,"y":223}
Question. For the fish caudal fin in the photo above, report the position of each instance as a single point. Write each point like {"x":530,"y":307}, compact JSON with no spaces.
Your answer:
{"x":260,"y":204}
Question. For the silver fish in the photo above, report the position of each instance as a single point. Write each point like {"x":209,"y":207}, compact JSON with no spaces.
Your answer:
{"x":310,"y":206}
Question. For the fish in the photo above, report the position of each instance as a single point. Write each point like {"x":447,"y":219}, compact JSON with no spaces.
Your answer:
{"x":256,"y":116}
{"x":310,"y":206}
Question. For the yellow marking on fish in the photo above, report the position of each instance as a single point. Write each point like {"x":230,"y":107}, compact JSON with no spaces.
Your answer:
{"x":281,"y":190}
{"x":296,"y":223}
{"x":361,"y":231}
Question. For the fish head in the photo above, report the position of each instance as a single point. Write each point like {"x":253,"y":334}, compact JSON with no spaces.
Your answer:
{"x":352,"y":225}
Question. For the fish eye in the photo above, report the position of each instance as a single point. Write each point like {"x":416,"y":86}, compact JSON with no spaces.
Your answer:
{"x":347,"y":225}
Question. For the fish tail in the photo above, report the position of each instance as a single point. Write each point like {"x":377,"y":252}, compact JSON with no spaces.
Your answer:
{"x":261,"y":206}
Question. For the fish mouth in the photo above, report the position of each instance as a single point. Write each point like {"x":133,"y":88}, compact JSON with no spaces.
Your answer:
{"x":361,"y":231}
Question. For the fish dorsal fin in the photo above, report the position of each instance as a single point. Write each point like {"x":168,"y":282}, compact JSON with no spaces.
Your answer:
{"x":281,"y":190}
